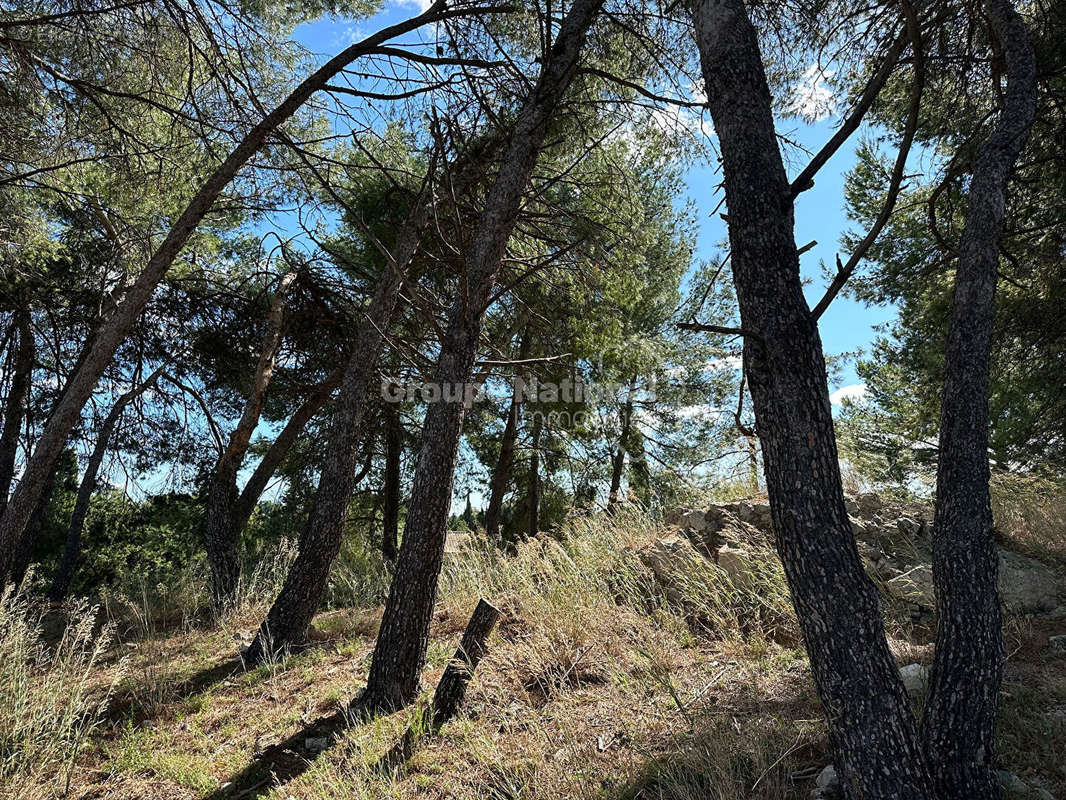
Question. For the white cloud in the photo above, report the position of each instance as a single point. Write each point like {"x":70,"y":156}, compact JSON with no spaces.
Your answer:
{"x":855,"y":392}
{"x":811,"y":99}
{"x":421,"y":5}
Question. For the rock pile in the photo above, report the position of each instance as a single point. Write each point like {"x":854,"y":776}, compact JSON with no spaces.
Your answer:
{"x":893,"y":539}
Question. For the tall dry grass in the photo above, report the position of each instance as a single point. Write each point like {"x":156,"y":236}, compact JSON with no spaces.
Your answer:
{"x":52,"y":698}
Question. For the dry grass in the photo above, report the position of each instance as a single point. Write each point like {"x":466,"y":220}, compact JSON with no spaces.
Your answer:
{"x":600,"y":683}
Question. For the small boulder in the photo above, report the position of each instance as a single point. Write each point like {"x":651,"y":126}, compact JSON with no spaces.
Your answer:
{"x":669,"y":558}
{"x":909,"y":527}
{"x":827,"y":784}
{"x":869,"y":503}
{"x":915,"y":678}
{"x":696,"y":520}
{"x":736,"y":563}
{"x":914,"y":586}
{"x":1026,"y":585}
{"x":1058,"y":643}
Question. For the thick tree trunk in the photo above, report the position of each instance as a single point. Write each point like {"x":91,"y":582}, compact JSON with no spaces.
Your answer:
{"x":280,"y":448}
{"x":28,"y":540}
{"x":871,"y":729}
{"x":958,"y":728}
{"x":390,"y":490}
{"x":286,"y":624}
{"x":402,"y":640}
{"x":25,"y":352}
{"x":220,"y":539}
{"x":534,"y":475}
{"x":111,"y":332}
{"x":72,"y":548}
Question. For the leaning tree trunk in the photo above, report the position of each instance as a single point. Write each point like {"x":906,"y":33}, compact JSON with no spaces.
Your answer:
{"x":404,"y":634}
{"x":221,"y":544}
{"x":289,"y":617}
{"x":871,"y":729}
{"x":110,"y":334}
{"x":28,"y":542}
{"x":17,"y":397}
{"x":72,"y":548}
{"x":277,"y":451}
{"x":958,"y":727}
{"x":390,"y":490}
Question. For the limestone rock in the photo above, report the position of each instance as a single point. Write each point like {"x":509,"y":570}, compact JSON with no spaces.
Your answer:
{"x":1025,"y":584}
{"x":737,"y":565}
{"x":827,"y":784}
{"x":915,"y":678}
{"x":914,"y":586}
{"x":869,"y":503}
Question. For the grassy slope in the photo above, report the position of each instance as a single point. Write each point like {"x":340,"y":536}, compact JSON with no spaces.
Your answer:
{"x":596,"y":686}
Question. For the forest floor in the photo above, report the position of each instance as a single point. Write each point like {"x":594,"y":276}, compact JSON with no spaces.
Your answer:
{"x":594,"y":687}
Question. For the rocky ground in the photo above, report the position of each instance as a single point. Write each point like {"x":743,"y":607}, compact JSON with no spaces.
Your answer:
{"x":893,"y":539}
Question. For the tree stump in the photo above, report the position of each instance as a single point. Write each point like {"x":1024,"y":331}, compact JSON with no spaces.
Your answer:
{"x":451,"y":689}
{"x":452,"y":686}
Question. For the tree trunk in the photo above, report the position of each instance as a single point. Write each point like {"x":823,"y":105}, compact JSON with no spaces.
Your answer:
{"x":28,"y":540}
{"x":534,"y":476}
{"x":872,"y":732}
{"x":390,"y":490}
{"x":618,"y":460}
{"x":286,"y":624}
{"x":220,"y":539}
{"x":111,"y":332}
{"x":501,"y":474}
{"x":280,"y":448}
{"x":402,"y":640}
{"x":17,"y":398}
{"x":958,"y":728}
{"x":451,"y":690}
{"x":72,"y":548}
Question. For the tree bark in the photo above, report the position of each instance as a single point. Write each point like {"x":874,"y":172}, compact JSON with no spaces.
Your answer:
{"x":17,"y":397}
{"x":26,"y":543}
{"x":280,"y":448}
{"x":72,"y":548}
{"x":220,"y":536}
{"x":871,"y":729}
{"x":451,"y":689}
{"x":618,"y":460}
{"x":111,"y":332}
{"x":501,"y":474}
{"x":404,"y":634}
{"x":958,"y":727}
{"x":390,"y":490}
{"x":452,"y":686}
{"x":534,"y":475}
{"x":289,"y":617}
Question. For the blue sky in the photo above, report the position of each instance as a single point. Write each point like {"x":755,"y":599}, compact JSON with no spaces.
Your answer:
{"x":847,"y":326}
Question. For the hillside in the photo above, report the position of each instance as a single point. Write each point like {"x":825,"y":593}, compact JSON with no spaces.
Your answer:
{"x":634,"y":660}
